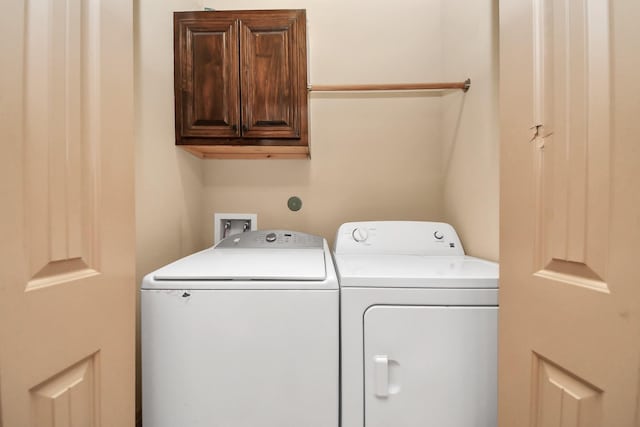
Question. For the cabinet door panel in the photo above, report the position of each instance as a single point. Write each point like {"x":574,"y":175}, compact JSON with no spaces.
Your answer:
{"x":206,"y":67}
{"x":273,"y":76}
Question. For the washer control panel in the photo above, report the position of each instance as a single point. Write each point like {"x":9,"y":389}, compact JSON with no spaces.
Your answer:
{"x":398,"y":237}
{"x":277,"y":239}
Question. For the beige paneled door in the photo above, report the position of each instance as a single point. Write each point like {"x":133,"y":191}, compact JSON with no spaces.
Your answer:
{"x":67,"y":291}
{"x":570,"y":213}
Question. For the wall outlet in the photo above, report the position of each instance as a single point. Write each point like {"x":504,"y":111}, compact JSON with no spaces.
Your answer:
{"x":228,"y":224}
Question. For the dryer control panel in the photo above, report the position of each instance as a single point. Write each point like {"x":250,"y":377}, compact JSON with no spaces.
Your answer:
{"x":277,"y":239}
{"x":398,"y":237}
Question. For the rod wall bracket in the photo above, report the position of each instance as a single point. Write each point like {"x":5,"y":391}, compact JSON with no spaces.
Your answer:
{"x":467,"y":85}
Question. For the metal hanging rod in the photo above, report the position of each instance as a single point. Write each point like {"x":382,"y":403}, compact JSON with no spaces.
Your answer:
{"x":464,"y":86}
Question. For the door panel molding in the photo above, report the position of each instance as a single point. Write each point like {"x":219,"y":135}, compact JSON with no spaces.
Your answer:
{"x":573,"y":273}
{"x":571,"y":104}
{"x":59,"y":272}
{"x":69,"y":398}
{"x":561,"y":398}
{"x":60,"y":124}
{"x":206,"y":67}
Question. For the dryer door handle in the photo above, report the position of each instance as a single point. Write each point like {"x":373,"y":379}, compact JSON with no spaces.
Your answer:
{"x":381,"y":375}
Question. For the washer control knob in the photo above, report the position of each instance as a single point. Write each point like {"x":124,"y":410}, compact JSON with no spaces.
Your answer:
{"x":360,"y":234}
{"x":271,"y":237}
{"x":438,"y":235}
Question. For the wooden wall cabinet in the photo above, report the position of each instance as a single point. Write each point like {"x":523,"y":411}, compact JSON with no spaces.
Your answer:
{"x":241,"y":83}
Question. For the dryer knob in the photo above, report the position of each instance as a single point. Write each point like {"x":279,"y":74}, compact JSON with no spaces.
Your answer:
{"x":438,"y":235}
{"x":360,"y":234}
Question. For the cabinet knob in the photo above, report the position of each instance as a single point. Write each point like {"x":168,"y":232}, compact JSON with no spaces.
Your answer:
{"x":234,"y":128}
{"x":245,"y":128}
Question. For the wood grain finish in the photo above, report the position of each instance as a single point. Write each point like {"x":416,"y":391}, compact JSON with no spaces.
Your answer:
{"x":273,"y":74}
{"x":241,"y":78}
{"x":206,"y":77}
{"x":247,"y":152}
{"x":392,"y":87}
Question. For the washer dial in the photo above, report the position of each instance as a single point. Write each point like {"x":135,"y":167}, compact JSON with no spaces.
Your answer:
{"x":271,"y":237}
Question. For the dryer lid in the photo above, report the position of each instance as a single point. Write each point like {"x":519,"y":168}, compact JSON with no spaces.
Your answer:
{"x":248,"y":264}
{"x":416,"y":271}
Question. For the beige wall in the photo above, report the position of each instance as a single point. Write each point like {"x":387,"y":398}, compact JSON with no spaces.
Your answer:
{"x":169,"y":182}
{"x":374,"y":156}
{"x":470,"y":124}
{"x":360,"y":170}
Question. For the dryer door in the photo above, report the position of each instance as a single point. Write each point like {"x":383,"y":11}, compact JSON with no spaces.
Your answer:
{"x":430,"y":366}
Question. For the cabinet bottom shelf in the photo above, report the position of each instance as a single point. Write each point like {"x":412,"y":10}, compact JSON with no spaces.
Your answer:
{"x":247,"y":151}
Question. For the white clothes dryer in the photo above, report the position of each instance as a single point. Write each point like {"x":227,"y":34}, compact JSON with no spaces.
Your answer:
{"x":418,"y":327}
{"x":244,"y":334}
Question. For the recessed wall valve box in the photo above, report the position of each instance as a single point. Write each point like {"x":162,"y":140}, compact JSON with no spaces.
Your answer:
{"x":228,"y":224}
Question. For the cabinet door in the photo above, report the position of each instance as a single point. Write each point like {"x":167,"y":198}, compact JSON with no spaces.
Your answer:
{"x":430,"y":366}
{"x":206,"y":76}
{"x":274,"y":75}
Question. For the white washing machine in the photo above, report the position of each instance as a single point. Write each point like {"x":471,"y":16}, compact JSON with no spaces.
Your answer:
{"x":418,"y":327}
{"x":244,"y":334}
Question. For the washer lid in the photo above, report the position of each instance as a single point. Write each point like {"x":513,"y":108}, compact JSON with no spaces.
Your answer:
{"x":248,"y":264}
{"x":416,"y":271}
